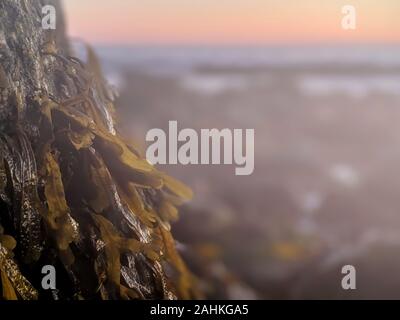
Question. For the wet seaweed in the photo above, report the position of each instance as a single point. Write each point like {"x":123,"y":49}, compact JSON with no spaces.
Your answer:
{"x":75,"y":194}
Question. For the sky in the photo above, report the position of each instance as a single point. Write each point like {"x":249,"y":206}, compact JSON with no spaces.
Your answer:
{"x":231,"y":21}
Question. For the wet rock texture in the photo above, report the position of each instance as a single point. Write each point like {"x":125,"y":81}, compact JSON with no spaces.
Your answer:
{"x":73,"y":193}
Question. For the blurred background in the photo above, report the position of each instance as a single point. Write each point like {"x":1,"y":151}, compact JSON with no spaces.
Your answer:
{"x":325,"y":106}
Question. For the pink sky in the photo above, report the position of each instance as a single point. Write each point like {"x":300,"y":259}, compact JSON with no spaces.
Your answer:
{"x":230,"y":21}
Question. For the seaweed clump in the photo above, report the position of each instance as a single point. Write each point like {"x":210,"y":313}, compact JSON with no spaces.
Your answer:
{"x":73,"y":193}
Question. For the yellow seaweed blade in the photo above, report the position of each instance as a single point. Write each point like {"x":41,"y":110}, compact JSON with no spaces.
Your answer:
{"x":110,"y":238}
{"x":114,"y":147}
{"x":116,"y":245}
{"x":185,"y":278}
{"x":168,"y":212}
{"x":57,"y":216}
{"x":8,"y":242}
{"x":177,"y":187}
{"x":8,"y":290}
{"x":111,"y":146}
{"x":81,"y":140}
{"x":135,"y":203}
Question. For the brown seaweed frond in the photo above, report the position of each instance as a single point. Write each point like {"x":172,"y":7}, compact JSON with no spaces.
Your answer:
{"x":78,"y":196}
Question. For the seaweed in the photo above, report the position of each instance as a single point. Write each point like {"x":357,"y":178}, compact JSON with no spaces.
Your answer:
{"x":75,"y":194}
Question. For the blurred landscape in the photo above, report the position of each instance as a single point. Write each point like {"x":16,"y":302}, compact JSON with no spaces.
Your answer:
{"x":326,"y":188}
